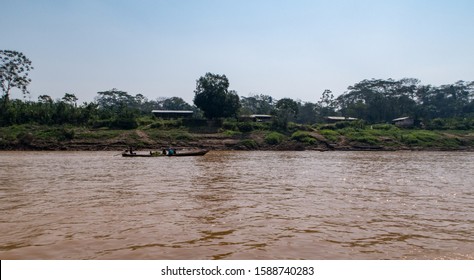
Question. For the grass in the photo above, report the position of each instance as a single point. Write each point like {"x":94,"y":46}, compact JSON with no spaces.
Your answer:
{"x":274,"y":138}
{"x":259,"y":136}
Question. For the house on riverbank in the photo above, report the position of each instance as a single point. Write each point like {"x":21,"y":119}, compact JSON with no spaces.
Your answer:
{"x":256,"y":118}
{"x":172,"y":114}
{"x":403,"y":122}
{"x":334,"y":119}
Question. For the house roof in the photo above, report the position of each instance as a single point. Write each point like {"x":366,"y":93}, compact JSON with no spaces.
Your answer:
{"x":334,"y":118}
{"x":171,"y":112}
{"x":401,"y":119}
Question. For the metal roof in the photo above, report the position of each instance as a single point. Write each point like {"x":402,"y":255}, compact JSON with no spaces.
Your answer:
{"x":172,"y":112}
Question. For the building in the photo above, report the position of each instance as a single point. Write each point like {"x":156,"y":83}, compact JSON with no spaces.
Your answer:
{"x":172,"y":114}
{"x":333,"y":119}
{"x":403,"y":122}
{"x":256,"y":118}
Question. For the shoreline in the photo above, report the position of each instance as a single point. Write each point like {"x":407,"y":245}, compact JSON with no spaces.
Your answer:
{"x":44,"y":138}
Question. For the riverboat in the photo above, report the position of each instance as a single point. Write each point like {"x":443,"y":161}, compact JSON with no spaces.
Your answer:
{"x":167,"y":153}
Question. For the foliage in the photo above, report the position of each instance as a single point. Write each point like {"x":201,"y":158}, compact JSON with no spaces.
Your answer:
{"x":304,"y":136}
{"x":213,"y":97}
{"x":286,"y":108}
{"x":245,"y":126}
{"x":274,"y":138}
{"x":363,"y":136}
{"x":450,"y":124}
{"x":14,"y":71}
{"x":257,"y":104}
{"x":173,"y":103}
{"x":249,"y":144}
{"x":330,"y":135}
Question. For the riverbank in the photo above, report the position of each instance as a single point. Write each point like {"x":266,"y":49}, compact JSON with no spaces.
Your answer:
{"x":250,"y":137}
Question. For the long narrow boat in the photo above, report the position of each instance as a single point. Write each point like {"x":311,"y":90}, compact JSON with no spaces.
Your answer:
{"x":183,"y":153}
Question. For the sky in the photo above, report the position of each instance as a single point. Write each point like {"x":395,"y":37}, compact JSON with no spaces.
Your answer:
{"x":293,"y":48}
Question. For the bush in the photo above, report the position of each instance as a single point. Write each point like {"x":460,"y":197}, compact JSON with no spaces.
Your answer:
{"x":304,"y":137}
{"x":249,"y":144}
{"x":25,"y":138}
{"x":384,"y":126}
{"x":330,"y":135}
{"x":421,"y":138}
{"x":184,"y":136}
{"x":363,"y":137}
{"x":191,"y":122}
{"x":245,"y":126}
{"x":124,"y":123}
{"x":274,"y":138}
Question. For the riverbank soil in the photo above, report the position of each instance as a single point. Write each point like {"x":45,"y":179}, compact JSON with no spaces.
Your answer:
{"x":298,"y":137}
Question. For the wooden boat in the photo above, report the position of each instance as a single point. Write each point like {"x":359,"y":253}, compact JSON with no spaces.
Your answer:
{"x":183,"y":153}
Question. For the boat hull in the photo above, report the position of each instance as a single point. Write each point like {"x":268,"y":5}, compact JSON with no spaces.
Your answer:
{"x":177,"y":154}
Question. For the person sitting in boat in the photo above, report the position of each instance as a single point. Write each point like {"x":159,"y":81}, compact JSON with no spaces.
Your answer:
{"x":171,"y":152}
{"x":130,"y":150}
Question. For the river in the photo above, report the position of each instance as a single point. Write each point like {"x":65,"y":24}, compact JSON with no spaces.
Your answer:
{"x":237,"y":205}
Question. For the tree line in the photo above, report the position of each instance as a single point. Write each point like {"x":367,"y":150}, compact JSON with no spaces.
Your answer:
{"x":374,"y":101}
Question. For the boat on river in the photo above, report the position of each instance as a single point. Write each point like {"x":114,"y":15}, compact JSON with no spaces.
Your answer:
{"x":167,"y":153}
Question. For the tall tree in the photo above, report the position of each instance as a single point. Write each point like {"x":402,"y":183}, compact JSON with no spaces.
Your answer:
{"x":286,"y":108}
{"x":257,"y":104}
{"x":174,"y":103}
{"x":14,"y":71}
{"x":213,"y":97}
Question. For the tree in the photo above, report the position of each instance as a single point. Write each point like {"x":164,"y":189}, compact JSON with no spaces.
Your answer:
{"x":213,"y":97}
{"x":257,"y":104}
{"x":379,"y":100}
{"x":327,"y":105}
{"x":70,"y":98}
{"x":285,"y":108}
{"x":14,"y":70}
{"x":174,"y":103}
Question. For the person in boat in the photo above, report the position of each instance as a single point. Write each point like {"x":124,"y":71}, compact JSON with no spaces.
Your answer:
{"x":130,"y":150}
{"x":171,"y":152}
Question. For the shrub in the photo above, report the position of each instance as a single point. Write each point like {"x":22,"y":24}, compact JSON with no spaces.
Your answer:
{"x":274,"y":138}
{"x":330,"y":135}
{"x":245,"y":126}
{"x":304,"y":137}
{"x":249,"y":144}
{"x":421,"y":138}
{"x":124,"y":123}
{"x":363,"y":137}
{"x":384,"y":126}
{"x":183,"y":136}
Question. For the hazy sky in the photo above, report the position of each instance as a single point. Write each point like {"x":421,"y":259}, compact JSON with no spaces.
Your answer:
{"x":290,"y":48}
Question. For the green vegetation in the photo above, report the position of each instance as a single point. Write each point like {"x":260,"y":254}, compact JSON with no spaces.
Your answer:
{"x":274,"y":138}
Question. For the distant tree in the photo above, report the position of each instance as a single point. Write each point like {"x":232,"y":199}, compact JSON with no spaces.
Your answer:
{"x":286,"y":108}
{"x":45,"y":99}
{"x":174,"y":103}
{"x":114,"y":98}
{"x":70,"y":98}
{"x":307,"y":112}
{"x":14,"y":70}
{"x":379,"y":100}
{"x":119,"y":107}
{"x":213,"y":97}
{"x":327,"y":104}
{"x":257,"y":104}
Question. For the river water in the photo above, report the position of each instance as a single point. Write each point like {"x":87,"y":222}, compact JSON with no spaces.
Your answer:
{"x":237,"y":205}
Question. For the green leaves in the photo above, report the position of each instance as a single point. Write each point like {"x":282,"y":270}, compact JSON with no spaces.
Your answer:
{"x":14,"y":70}
{"x":213,"y":97}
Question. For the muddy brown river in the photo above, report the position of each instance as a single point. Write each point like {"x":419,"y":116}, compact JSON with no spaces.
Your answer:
{"x":237,"y":205}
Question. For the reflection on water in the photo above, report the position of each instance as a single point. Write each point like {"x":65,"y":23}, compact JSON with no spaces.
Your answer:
{"x":237,"y":205}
